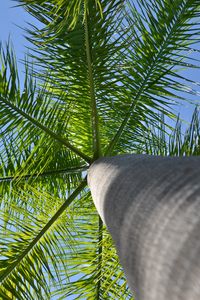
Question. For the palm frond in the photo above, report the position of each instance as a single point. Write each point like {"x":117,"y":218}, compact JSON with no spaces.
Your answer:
{"x":125,"y":50}
{"x":89,"y":74}
{"x":30,"y":111}
{"x":93,"y":275}
{"x":33,"y":244}
{"x":71,"y":11}
{"x":99,"y":76}
{"x":161,"y":34}
{"x":177,"y":142}
{"x":188,"y":143}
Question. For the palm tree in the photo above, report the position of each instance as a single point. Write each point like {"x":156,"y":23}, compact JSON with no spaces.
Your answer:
{"x":100,"y":80}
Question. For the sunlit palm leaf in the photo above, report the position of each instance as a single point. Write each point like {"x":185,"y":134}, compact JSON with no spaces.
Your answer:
{"x":84,"y":263}
{"x":32,"y":111}
{"x":33,"y":240}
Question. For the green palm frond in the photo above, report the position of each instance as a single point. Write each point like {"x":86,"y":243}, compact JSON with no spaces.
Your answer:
{"x":130,"y":53}
{"x":33,"y":240}
{"x":84,"y":64}
{"x":101,"y":79}
{"x":92,"y":277}
{"x":31,"y":111}
{"x":177,"y":142}
{"x":55,"y":10}
{"x":161,"y":33}
{"x":186,"y":144}
{"x":40,"y":243}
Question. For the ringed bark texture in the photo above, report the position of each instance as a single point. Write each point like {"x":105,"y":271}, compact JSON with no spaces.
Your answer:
{"x":151,"y":206}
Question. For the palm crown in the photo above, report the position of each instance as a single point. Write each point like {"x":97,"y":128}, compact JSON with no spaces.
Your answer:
{"x":104,"y":77}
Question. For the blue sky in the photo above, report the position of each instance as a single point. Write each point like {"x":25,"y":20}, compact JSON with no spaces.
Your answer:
{"x":11,"y":19}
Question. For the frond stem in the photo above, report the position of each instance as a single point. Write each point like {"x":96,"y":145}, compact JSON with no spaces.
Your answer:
{"x":100,"y":250}
{"x":94,"y":113}
{"x":47,"y":173}
{"x":70,"y":199}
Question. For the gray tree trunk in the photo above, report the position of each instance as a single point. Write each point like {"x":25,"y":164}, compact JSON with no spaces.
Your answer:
{"x":151,"y":206}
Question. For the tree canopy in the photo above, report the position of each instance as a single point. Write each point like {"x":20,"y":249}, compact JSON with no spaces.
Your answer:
{"x":102,"y":78}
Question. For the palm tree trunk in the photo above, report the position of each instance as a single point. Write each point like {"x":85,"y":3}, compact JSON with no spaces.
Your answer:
{"x":151,"y":206}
